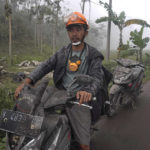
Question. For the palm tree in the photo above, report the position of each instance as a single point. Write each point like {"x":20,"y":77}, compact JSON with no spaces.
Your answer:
{"x":120,"y":21}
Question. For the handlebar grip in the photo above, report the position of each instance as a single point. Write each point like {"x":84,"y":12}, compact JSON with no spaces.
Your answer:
{"x":85,"y":105}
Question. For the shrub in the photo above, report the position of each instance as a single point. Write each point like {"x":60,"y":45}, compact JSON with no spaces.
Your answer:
{"x":2,"y":143}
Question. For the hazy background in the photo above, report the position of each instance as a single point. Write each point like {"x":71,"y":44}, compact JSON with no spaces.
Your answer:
{"x":138,"y":9}
{"x":39,"y":25}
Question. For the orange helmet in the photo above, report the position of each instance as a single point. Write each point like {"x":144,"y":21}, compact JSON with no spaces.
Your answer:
{"x":76,"y":18}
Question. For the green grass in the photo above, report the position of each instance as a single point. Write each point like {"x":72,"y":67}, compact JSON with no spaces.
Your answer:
{"x":2,"y":141}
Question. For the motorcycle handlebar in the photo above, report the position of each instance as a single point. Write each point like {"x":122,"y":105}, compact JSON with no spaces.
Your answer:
{"x":85,"y":105}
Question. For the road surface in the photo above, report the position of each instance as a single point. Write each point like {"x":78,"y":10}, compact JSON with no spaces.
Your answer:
{"x":129,"y":129}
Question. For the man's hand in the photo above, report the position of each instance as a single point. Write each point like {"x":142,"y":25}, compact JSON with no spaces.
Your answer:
{"x":18,"y":90}
{"x":83,"y":96}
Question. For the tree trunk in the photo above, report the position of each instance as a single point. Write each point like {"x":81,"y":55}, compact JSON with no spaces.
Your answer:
{"x":89,"y":11}
{"x":55,"y":28}
{"x":120,"y":42}
{"x":38,"y":36}
{"x":83,"y":6}
{"x":36,"y":26}
{"x":108,"y":33}
{"x":54,"y":38}
{"x":10,"y":40}
{"x":141,"y":58}
{"x":8,"y":14}
{"x":35,"y":36}
{"x":137,"y":55}
{"x":41,"y":39}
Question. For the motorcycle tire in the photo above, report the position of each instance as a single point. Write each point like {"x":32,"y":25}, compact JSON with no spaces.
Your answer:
{"x":114,"y":104}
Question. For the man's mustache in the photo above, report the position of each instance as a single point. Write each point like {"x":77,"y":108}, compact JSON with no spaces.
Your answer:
{"x":75,"y":38}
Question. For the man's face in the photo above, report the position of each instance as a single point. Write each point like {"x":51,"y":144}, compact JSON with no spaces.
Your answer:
{"x":77,"y":33}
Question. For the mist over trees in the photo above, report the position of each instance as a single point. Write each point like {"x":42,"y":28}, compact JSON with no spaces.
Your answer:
{"x":39,"y":24}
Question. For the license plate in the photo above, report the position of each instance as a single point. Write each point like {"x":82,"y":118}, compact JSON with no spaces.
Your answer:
{"x":20,"y":123}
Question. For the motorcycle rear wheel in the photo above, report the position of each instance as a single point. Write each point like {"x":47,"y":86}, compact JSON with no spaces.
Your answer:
{"x":114,"y":104}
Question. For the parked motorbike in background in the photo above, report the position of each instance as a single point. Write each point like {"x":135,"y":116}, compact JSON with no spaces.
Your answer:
{"x":127,"y":84}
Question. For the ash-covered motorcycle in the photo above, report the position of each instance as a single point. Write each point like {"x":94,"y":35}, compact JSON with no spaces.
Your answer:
{"x":38,"y":120}
{"x":127,"y":84}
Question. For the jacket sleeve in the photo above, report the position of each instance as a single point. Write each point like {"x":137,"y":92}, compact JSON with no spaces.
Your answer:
{"x":95,"y":71}
{"x":43,"y":69}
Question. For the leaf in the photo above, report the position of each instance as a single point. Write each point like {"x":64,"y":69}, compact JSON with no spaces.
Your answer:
{"x":122,"y":16}
{"x":101,"y":2}
{"x":102,"y":19}
{"x":146,"y":39}
{"x":136,"y":21}
{"x":136,"y":38}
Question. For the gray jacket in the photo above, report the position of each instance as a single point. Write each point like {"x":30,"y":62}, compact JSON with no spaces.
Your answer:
{"x":57,"y":63}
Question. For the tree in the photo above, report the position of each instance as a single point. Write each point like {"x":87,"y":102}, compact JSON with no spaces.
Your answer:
{"x":138,"y":40}
{"x":120,"y":21}
{"x":52,"y":17}
{"x":46,"y":11}
{"x":89,"y":11}
{"x":108,"y":32}
{"x":83,"y":6}
{"x":38,"y":11}
{"x":8,"y":13}
{"x":47,"y":33}
{"x":56,"y":10}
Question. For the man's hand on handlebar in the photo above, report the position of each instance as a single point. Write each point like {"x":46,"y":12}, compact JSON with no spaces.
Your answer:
{"x":83,"y":96}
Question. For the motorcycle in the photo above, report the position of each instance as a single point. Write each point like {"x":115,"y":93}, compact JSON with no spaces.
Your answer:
{"x":127,"y":84}
{"x":38,"y":120}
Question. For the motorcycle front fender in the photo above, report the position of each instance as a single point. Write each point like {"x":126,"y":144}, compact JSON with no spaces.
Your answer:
{"x":115,"y":89}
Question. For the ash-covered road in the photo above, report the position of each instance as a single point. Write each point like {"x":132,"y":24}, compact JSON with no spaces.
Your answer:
{"x":129,"y":129}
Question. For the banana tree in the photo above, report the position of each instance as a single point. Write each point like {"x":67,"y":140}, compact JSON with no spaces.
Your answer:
{"x":120,"y":21}
{"x":138,"y":40}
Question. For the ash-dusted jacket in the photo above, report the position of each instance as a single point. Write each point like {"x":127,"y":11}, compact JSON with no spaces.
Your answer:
{"x":58,"y":62}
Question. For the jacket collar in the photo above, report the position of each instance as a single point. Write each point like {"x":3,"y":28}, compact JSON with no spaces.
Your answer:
{"x":92,"y":52}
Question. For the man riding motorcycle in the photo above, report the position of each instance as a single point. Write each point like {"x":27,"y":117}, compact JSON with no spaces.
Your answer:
{"x":76,"y":58}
